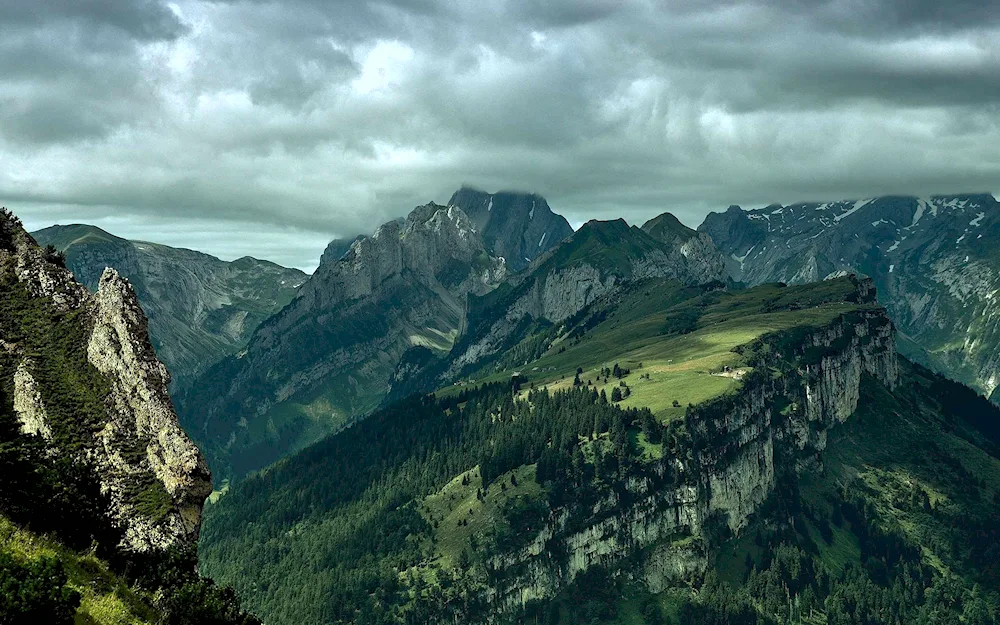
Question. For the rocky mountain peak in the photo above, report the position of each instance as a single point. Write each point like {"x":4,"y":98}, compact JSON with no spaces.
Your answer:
{"x":514,"y":225}
{"x":332,"y":351}
{"x":139,"y":408}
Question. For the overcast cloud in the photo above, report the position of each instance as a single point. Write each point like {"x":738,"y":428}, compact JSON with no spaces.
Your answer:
{"x":267,"y":128}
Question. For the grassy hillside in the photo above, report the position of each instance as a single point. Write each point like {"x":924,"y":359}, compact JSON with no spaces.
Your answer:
{"x":676,"y":341}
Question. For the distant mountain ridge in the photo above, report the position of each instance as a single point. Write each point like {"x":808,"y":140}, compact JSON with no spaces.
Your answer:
{"x":593,"y":262}
{"x":327,"y":357}
{"x":934,"y":260}
{"x":200,"y":308}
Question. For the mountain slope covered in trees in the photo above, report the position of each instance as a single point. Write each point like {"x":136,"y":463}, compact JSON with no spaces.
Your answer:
{"x":673,"y":454}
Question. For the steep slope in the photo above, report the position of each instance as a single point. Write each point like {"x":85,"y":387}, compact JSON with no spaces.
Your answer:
{"x":328,"y":356}
{"x":593,"y":262}
{"x":92,"y":455}
{"x":200,"y":308}
{"x":517,"y":226}
{"x":702,"y":256}
{"x":934,"y":261}
{"x":745,"y":419}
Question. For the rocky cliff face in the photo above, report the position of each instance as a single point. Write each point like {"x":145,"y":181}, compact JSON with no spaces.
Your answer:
{"x":934,"y":261}
{"x":93,"y":387}
{"x":590,"y":264}
{"x":697,"y":248}
{"x":742,"y":444}
{"x":337,"y":248}
{"x":200,"y":308}
{"x":516,"y":226}
{"x":328,"y":356}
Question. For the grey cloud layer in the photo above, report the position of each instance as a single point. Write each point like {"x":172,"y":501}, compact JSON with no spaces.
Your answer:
{"x":331,"y":117}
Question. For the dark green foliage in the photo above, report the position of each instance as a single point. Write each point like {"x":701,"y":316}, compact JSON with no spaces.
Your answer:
{"x":35,"y":593}
{"x":360,"y":485}
{"x":185,"y":598}
{"x":50,"y":493}
{"x":55,"y":343}
{"x":54,"y":256}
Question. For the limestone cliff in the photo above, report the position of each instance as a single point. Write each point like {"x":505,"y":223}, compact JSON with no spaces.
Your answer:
{"x":742,"y":444}
{"x":84,"y":377}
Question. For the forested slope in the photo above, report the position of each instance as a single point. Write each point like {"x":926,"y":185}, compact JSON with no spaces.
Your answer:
{"x":674,"y":453}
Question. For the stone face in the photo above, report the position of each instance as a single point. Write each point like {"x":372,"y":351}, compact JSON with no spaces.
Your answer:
{"x":28,"y":404}
{"x":200,"y":308}
{"x":934,"y":261}
{"x":516,"y":226}
{"x":140,"y":407}
{"x":336,"y":249}
{"x":329,"y":356}
{"x":135,"y":445}
{"x":748,"y":443}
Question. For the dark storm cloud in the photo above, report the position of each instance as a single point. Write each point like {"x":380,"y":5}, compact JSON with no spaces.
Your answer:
{"x":315,"y":118}
{"x":142,"y":19}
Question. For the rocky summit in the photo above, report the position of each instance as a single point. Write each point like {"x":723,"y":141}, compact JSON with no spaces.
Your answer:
{"x":200,"y":308}
{"x":516,"y":226}
{"x":934,"y":260}
{"x":328,"y":356}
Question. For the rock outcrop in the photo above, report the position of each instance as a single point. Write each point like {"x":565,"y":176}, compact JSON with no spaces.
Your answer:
{"x":28,"y":405}
{"x":200,"y":309}
{"x":107,"y":401}
{"x":518,"y":227}
{"x":328,"y":357}
{"x":933,"y":260}
{"x":139,"y":408}
{"x":743,"y":443}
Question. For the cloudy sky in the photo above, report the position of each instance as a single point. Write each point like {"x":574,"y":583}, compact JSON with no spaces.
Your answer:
{"x":267,"y":127}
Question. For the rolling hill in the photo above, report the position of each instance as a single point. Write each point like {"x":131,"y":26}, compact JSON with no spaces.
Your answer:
{"x":671,"y":452}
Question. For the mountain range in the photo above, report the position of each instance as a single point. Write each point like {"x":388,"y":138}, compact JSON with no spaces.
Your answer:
{"x":476,"y":414}
{"x":934,"y":261}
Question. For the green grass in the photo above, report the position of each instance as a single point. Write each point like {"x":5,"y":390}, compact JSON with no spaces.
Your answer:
{"x":105,"y":598}
{"x":682,"y":368}
{"x":459,"y":514}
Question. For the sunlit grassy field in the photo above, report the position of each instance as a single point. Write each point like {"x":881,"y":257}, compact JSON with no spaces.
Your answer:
{"x":668,"y":370}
